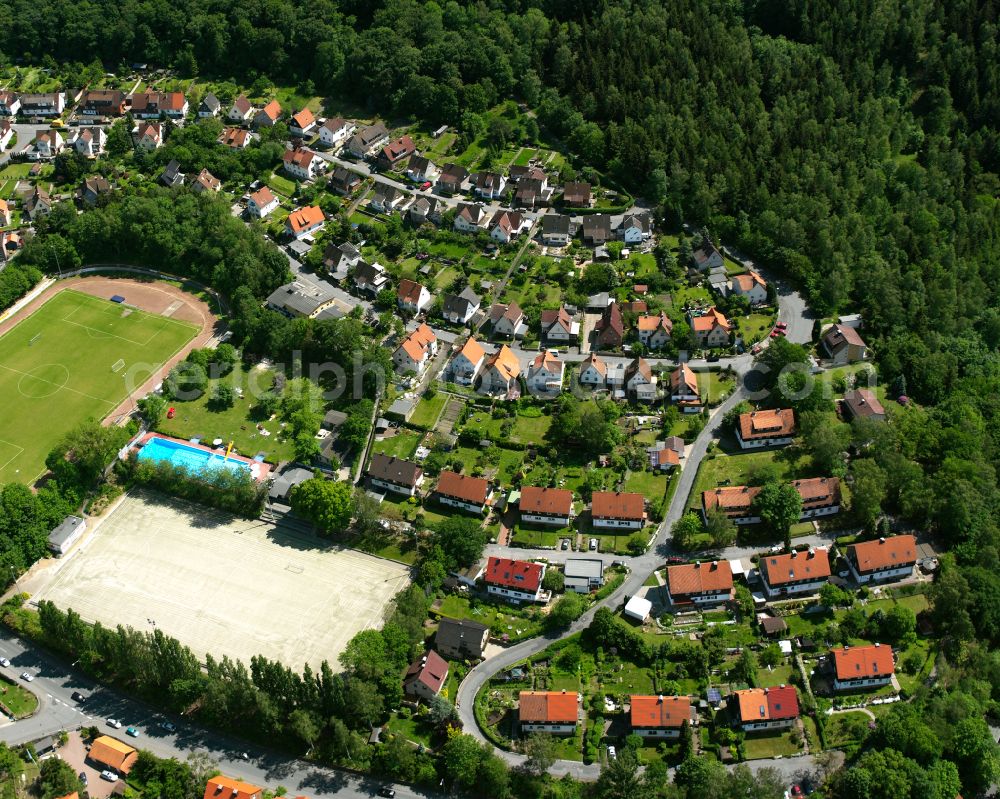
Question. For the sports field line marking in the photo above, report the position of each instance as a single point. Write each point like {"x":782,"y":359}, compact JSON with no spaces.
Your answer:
{"x":111,"y":308}
{"x":51,"y":383}
{"x":12,"y":457}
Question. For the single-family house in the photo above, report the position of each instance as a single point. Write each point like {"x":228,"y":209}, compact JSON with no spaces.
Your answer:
{"x":766,"y":428}
{"x":576,"y":194}
{"x":583,"y":575}
{"x":334,"y":132}
{"x":112,"y":754}
{"x":659,"y":716}
{"x":10,"y":244}
{"x":663,"y":459}
{"x":684,"y":390}
{"x":471,"y":218}
{"x":416,"y":350}
{"x":844,"y":345}
{"x":558,"y":326}
{"x":206,"y":181}
{"x":750,"y":285}
{"x":552,"y":506}
{"x":426,"y":676}
{"x":48,"y":144}
{"x":37,"y":203}
{"x":654,"y":330}
{"x":370,"y":278}
{"x":515,"y":580}
{"x":6,"y":134}
{"x":596,"y":229}
{"x":221,"y":787}
{"x":888,"y":558}
{"x":795,"y":572}
{"x":756,"y":709}
{"x":460,"y":308}
{"x":820,"y":496}
{"x":48,"y":104}
{"x":340,"y":259}
{"x":452,"y":179}
{"x":553,"y":712}
{"x":639,"y":380}
{"x":700,"y":584}
{"x":10,"y":104}
{"x":302,"y":124}
{"x":545,"y":373}
{"x":421,"y":169}
{"x":508,"y":320}
{"x":501,"y":373}
{"x":412,"y":297}
{"x":386,"y":198}
{"x":395,"y":474}
{"x":861,"y":403}
{"x":466,"y":364}
{"x":556,"y":230}
{"x":240,"y":111}
{"x":858,"y":667}
{"x":268,"y":116}
{"x":425,"y":209}
{"x":506,"y":225}
{"x":148,"y":135}
{"x":489,"y":185}
{"x":172,"y":175}
{"x":710,"y":329}
{"x":301,"y":164}
{"x":610,"y":329}
{"x":344,"y":181}
{"x":89,"y":142}
{"x":303,"y":221}
{"x":367,"y":140}
{"x":154,"y":105}
{"x":395,"y":151}
{"x":5,"y":217}
{"x":634,"y":229}
{"x":706,"y":256}
{"x":235,"y":138}
{"x":209,"y":106}
{"x":617,"y":510}
{"x":93,"y":188}
{"x":461,"y":639}
{"x":532,"y":192}
{"x":464,"y":492}
{"x":262,"y":202}
{"x":593,"y":371}
{"x":103,"y":102}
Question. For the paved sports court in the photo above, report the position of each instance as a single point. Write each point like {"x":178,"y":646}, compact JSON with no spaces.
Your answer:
{"x":223,"y":586}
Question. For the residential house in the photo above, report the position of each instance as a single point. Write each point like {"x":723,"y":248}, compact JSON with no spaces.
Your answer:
{"x":663,"y":459}
{"x":583,"y":575}
{"x":268,"y":116}
{"x":153,"y":105}
{"x":639,"y":381}
{"x":706,"y":256}
{"x":820,"y":496}
{"x":209,"y":106}
{"x":508,"y":320}
{"x":710,"y":329}
{"x":303,"y":221}
{"x":415,"y":351}
{"x":48,"y":144}
{"x":659,"y":716}
{"x":654,"y":330}
{"x":340,"y":259}
{"x":596,"y":229}
{"x":335,"y":131}
{"x":221,"y":787}
{"x":795,"y":572}
{"x":552,"y":506}
{"x":634,"y":229}
{"x":426,"y":676}
{"x":93,"y":189}
{"x":10,"y":244}
{"x":367,"y":140}
{"x":395,"y":474}
{"x":506,"y":225}
{"x":553,"y":712}
{"x":6,"y":134}
{"x":515,"y":580}
{"x":37,"y":203}
{"x":301,"y":164}
{"x":395,"y":151}
{"x":111,"y":754}
{"x":344,"y":181}
{"x":750,"y":285}
{"x":412,"y":297}
{"x":700,"y":584}
{"x":615,"y":378}
{"x":684,"y":390}
{"x":420,"y":169}
{"x":426,"y":209}
{"x":610,"y":329}
{"x":206,"y":181}
{"x":558,"y":326}
{"x":50,"y":104}
{"x":148,"y":135}
{"x":300,"y":300}
{"x":241,"y":110}
{"x":576,"y":194}
{"x":756,"y":709}
{"x":891,"y":558}
{"x":452,"y":179}
{"x":10,"y":104}
{"x":89,"y":142}
{"x":861,"y":403}
{"x":103,"y":102}
{"x":471,"y":218}
{"x":5,"y":217}
{"x":172,"y":175}
{"x":460,"y":308}
{"x":617,"y":510}
{"x":370,"y":278}
{"x":489,"y":185}
{"x":556,"y":230}
{"x":262,"y":202}
{"x":464,"y":492}
{"x":766,"y":428}
{"x":461,"y":639}
{"x":593,"y":371}
{"x":466,"y":364}
{"x":545,"y":374}
{"x":235,"y":138}
{"x":386,"y":198}
{"x":844,"y":345}
{"x":302,"y":124}
{"x":532,"y":192}
{"x":857,"y":667}
{"x":598,"y":303}
{"x":501,"y":373}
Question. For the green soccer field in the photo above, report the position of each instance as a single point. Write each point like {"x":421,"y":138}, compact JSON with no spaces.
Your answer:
{"x":74,"y":358}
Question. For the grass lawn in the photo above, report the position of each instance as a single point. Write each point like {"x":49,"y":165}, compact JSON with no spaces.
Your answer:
{"x":444,"y":278}
{"x":718,"y":387}
{"x":428,"y":410}
{"x":534,"y":537}
{"x":412,"y":729}
{"x":524,"y":156}
{"x":769,"y":744}
{"x":70,"y":360}
{"x":401,"y":445}
{"x":651,"y":485}
{"x":17,"y":699}
{"x":754,"y":327}
{"x":531,"y":429}
{"x":16,"y":171}
{"x":780,"y":675}
{"x":499,"y":618}
{"x":737,"y":468}
{"x":687,"y":294}
{"x":845,"y":729}
{"x":281,"y":184}
{"x":642,"y":264}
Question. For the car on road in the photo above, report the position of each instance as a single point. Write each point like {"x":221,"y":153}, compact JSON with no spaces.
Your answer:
{"x":756,"y":348}
{"x":110,"y":776}
{"x":676,"y":559}
{"x":4,"y":662}
{"x":76,"y":696}
{"x":593,"y":545}
{"x":169,"y":726}
{"x":387,"y":792}
{"x":132,"y":731}
{"x":425,"y":185}
{"x":115,"y":723}
{"x":83,"y":777}
{"x":27,"y":677}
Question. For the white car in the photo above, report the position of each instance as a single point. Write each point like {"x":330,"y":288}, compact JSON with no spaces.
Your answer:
{"x":593,"y":544}
{"x":110,"y":776}
{"x":4,"y":662}
{"x":116,"y":724}
{"x":27,"y":677}
{"x":612,"y":754}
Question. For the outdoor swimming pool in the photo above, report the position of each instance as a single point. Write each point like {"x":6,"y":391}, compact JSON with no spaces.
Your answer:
{"x":191,"y":458}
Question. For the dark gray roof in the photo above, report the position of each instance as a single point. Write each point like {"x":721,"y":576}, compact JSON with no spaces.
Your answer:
{"x":287,"y":480}
{"x":297,"y":299}
{"x":460,"y":303}
{"x":211,"y":102}
{"x":459,"y":633}
{"x":555,"y":223}
{"x":385,"y":193}
{"x":334,"y":419}
{"x":596,"y":223}
{"x":394,"y":470}
{"x":66,"y":530}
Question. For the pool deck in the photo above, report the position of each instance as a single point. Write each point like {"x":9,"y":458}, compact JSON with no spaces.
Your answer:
{"x":263,"y":471}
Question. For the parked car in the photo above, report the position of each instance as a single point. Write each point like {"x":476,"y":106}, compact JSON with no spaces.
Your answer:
{"x":110,"y":776}
{"x":593,"y":544}
{"x":4,"y":662}
{"x":387,"y":792}
{"x":674,"y":559}
{"x":169,"y":726}
{"x":565,"y":544}
{"x":27,"y":677}
{"x":115,"y":723}
{"x":781,"y":325}
{"x":132,"y":731}
{"x":83,"y":777}
{"x":76,"y":696}
{"x":756,"y":348}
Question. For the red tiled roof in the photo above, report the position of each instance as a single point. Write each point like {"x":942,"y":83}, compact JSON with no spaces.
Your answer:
{"x":711,"y":319}
{"x":729,"y":497}
{"x":685,"y":375}
{"x":409,"y":291}
{"x":272,"y":110}
{"x":839,"y":333}
{"x":548,"y":707}
{"x":782,"y":569}
{"x":303,"y":119}
{"x":667,"y":712}
{"x":519,"y":574}
{"x":818,"y":491}
{"x":617,"y":505}
{"x":300,"y":158}
{"x":552,"y":501}
{"x":430,"y":669}
{"x":860,"y":662}
{"x":263,"y":197}
{"x":303,"y":218}
{"x":696,"y":578}
{"x":463,"y":487}
{"x":863,"y":402}
{"x":767,"y":424}
{"x":897,"y":550}
{"x":768,"y":704}
{"x":227,"y":788}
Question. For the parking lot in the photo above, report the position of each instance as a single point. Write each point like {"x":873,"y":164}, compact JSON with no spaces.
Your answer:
{"x":223,"y":586}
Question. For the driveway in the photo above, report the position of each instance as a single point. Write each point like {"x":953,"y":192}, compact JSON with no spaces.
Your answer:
{"x":75,"y":753}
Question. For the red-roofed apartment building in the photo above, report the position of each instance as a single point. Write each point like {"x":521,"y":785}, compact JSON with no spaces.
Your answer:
{"x":885,"y":559}
{"x":555,"y":712}
{"x":768,"y":428}
{"x":659,"y":716}
{"x":617,"y":510}
{"x":227,"y":788}
{"x":462,"y":491}
{"x":426,"y":675}
{"x":546,"y":505}
{"x":700,"y":583}
{"x":862,"y":667}
{"x":517,"y":580}
{"x":765,"y":708}
{"x":795,"y":573}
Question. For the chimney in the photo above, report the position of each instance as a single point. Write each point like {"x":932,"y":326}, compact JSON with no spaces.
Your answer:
{"x":877,"y":646}
{"x":715,"y":564}
{"x":697,"y":564}
{"x":794,"y":553}
{"x":881,"y":539}
{"x":659,"y":699}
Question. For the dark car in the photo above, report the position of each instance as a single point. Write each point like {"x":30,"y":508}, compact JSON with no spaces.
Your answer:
{"x":83,"y":777}
{"x":676,"y":559}
{"x":389,"y":792}
{"x":76,"y":696}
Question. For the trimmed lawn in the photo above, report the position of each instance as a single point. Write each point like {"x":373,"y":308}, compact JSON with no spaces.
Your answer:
{"x":754,"y":327}
{"x":499,"y":618}
{"x":18,"y":699}
{"x":678,"y":299}
{"x":718,"y":387}
{"x":444,"y":278}
{"x":401,"y":445}
{"x":760,"y":746}
{"x":531,"y":429}
{"x":16,"y":171}
{"x":427,"y":411}
{"x":651,"y":485}
{"x":524,"y":156}
{"x":535,"y":537}
{"x":281,"y":184}
{"x":411,"y":729}
{"x":780,"y":675}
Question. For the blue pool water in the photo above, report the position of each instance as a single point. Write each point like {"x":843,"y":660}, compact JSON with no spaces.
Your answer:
{"x":191,"y":458}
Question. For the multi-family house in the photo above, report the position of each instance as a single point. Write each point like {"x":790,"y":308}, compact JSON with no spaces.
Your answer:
{"x":301,"y":164}
{"x":461,"y":639}
{"x":89,"y":142}
{"x":820,"y":496}
{"x":700,"y":584}
{"x":654,"y":330}
{"x":154,"y":105}
{"x":501,"y":373}
{"x":103,"y":102}
{"x":304,"y":221}
{"x":617,"y":510}
{"x":711,"y":328}
{"x":463,"y":491}
{"x":262,"y":202}
{"x":367,"y":140}
{"x":795,"y":572}
{"x":766,"y":428}
{"x":415,"y":351}
{"x":335,"y":131}
{"x":750,"y":285}
{"x":552,"y":712}
{"x":659,"y":716}
{"x":466,"y":365}
{"x":551,"y":506}
{"x":395,"y":474}
{"x":514,"y":580}
{"x":860,"y":667}
{"x":737,"y":502}
{"x":545,"y":373}
{"x":412,"y":297}
{"x":460,"y":308}
{"x":888,"y":558}
{"x":49,"y":104}
{"x":756,"y":709}
{"x":556,"y":230}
